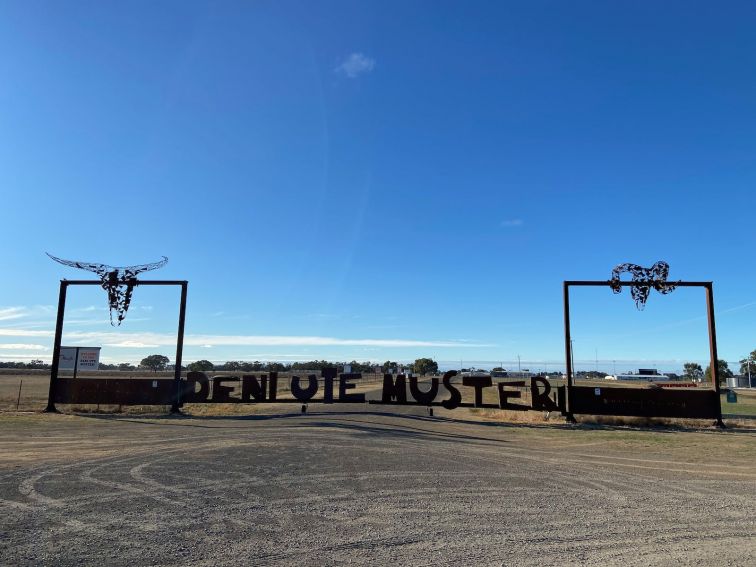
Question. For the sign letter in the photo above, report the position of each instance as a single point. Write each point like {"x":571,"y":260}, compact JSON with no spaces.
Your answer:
{"x":304,"y":394}
{"x":456,"y":397}
{"x":425,"y":398}
{"x":394,"y":390}
{"x":344,"y":385}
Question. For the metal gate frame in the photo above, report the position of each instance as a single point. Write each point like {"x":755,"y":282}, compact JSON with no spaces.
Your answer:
{"x":713,"y":365}
{"x":64,"y":284}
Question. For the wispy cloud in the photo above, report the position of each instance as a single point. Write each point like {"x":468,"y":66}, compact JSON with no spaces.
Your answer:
{"x":8,"y":313}
{"x":738,"y":307}
{"x":277,"y":356}
{"x":512,"y":223}
{"x":131,"y":344}
{"x":22,"y":346}
{"x":88,"y":309}
{"x":25,"y":311}
{"x":148,"y":339}
{"x":24,"y":333}
{"x":355,"y":65}
{"x":140,"y":340}
{"x":23,"y":356}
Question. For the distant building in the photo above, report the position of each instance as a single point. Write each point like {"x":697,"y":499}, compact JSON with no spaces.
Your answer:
{"x":741,"y":382}
{"x":643,"y":375}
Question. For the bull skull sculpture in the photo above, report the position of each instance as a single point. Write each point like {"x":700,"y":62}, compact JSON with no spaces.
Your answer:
{"x":653,"y":277}
{"x":119,"y":282}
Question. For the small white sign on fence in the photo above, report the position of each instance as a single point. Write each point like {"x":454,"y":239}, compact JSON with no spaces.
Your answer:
{"x":88,"y":358}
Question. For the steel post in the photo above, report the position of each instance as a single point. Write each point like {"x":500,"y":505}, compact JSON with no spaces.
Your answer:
{"x":56,"y":348}
{"x":568,"y":354}
{"x":175,"y":407}
{"x":714,"y":364}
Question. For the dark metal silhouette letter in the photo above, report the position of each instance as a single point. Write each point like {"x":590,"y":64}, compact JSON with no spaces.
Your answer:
{"x":504,"y":395}
{"x":344,"y":385}
{"x":456,"y":397}
{"x":251,"y":387}
{"x":425,"y":398}
{"x":394,"y":390}
{"x":478,"y":382}
{"x":304,"y":394}
{"x":541,"y":400}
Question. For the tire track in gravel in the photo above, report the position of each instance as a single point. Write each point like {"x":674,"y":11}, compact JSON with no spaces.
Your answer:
{"x":273,"y":493}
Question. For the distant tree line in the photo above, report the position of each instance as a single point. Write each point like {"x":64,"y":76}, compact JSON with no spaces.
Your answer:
{"x":31,"y":365}
{"x":159,"y":362}
{"x":420,"y":366}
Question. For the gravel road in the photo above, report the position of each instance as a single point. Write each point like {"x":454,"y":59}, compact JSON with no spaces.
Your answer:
{"x":367,"y":488}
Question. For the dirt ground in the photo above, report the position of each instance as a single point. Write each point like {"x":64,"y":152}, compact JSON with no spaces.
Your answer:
{"x":334,"y":487}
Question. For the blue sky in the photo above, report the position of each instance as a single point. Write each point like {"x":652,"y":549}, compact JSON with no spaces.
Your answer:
{"x":380,"y":180}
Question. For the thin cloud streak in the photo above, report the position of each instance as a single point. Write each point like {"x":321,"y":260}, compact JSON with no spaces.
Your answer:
{"x":8,"y":313}
{"x":140,"y":340}
{"x":134,"y":340}
{"x":6,"y":332}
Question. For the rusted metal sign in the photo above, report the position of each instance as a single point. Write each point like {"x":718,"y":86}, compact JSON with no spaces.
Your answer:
{"x":644,"y":402}
{"x":116,"y":391}
{"x":332,"y":387}
{"x":329,"y":388}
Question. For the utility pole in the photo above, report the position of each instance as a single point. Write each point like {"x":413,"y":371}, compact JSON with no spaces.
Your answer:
{"x":518,"y":364}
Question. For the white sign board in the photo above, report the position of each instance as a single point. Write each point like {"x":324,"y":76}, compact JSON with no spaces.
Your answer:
{"x":89,"y":358}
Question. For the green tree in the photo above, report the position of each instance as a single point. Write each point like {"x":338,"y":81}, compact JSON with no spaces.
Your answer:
{"x":724,"y":371}
{"x":389,"y":365}
{"x":692,"y":370}
{"x":201,"y":366}
{"x":125,"y":366}
{"x":155,"y":362}
{"x":748,"y":364}
{"x":425,"y":366}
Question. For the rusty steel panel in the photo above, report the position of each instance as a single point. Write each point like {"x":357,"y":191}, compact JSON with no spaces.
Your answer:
{"x":120,"y":391}
{"x":644,"y":402}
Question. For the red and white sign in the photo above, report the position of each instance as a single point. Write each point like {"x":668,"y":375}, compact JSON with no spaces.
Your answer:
{"x":88,"y":358}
